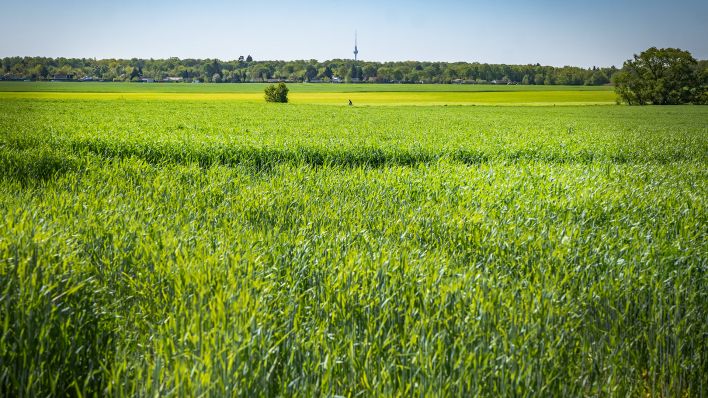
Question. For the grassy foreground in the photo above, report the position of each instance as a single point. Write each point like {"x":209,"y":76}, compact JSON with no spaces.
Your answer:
{"x":219,"y":248}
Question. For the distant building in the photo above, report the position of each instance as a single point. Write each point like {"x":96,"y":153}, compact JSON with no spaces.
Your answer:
{"x":147,"y":80}
{"x":10,"y":77}
{"x":59,"y":77}
{"x":502,"y":81}
{"x":172,"y":79}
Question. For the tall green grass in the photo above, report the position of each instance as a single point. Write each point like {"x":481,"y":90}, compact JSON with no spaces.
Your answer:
{"x":190,"y":249}
{"x":234,"y":133}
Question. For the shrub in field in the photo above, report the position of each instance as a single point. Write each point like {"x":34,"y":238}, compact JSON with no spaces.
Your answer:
{"x":276,"y":93}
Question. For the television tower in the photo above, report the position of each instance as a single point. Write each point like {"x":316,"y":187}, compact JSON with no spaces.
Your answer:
{"x":356,"y":51}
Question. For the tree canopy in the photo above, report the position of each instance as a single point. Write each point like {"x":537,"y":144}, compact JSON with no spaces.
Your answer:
{"x":245,"y":69}
{"x":666,"y":76}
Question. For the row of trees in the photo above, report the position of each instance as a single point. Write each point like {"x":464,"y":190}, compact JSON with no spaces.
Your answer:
{"x":245,"y":69}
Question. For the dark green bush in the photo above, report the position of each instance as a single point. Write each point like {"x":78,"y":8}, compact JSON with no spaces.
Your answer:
{"x":277,"y":93}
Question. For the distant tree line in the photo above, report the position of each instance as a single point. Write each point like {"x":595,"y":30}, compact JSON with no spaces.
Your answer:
{"x":245,"y":69}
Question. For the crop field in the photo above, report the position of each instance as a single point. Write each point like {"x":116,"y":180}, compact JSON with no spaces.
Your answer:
{"x":200,"y":243}
{"x":95,"y":87}
{"x":331,"y":94}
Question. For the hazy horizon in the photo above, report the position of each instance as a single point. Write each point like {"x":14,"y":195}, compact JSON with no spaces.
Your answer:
{"x":550,"y":32}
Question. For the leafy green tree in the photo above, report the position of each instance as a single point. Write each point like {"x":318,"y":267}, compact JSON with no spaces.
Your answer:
{"x":310,"y":72}
{"x":354,"y":73}
{"x":369,"y":71}
{"x":136,"y":73}
{"x":212,"y":68}
{"x":398,"y":74}
{"x":598,"y":78}
{"x":277,"y":93}
{"x":342,"y":72}
{"x":664,"y":76}
{"x":327,"y":72}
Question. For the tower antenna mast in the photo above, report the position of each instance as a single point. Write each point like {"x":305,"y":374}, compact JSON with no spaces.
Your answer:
{"x":356,"y":50}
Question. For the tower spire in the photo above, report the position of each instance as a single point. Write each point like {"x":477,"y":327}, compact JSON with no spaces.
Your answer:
{"x":356,"y":50}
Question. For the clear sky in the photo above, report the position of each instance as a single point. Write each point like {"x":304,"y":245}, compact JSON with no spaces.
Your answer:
{"x":551,"y":32}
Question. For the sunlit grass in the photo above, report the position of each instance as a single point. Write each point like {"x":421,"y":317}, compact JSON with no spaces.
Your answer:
{"x":219,"y":248}
{"x":110,"y":87}
{"x":359,"y":98}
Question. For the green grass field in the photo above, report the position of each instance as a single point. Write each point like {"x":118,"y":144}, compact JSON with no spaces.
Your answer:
{"x":332,"y":94}
{"x":95,"y":87}
{"x":205,"y":244}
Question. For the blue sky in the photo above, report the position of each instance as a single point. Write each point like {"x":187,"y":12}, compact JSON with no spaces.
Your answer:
{"x":551,"y":32}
